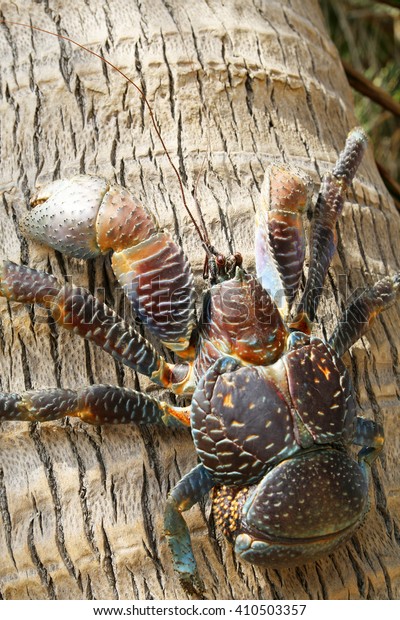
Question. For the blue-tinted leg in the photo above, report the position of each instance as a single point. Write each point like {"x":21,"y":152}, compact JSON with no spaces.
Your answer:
{"x":370,"y":435}
{"x":97,"y":404}
{"x":187,"y":492}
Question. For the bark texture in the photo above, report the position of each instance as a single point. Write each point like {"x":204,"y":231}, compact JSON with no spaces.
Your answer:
{"x":234,"y":85}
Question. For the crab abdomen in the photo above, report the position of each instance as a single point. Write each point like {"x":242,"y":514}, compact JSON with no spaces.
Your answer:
{"x":304,"y":507}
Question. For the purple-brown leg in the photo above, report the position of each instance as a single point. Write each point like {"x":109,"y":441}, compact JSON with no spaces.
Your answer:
{"x":97,"y":404}
{"x":327,"y":211}
{"x":190,"y":490}
{"x":75,"y":309}
{"x":359,"y":316}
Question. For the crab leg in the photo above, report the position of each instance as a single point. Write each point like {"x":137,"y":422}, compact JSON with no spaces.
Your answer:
{"x":358,"y":317}
{"x":188,"y":491}
{"x":280,"y":236}
{"x":97,"y":404}
{"x":327,"y":211}
{"x":75,"y":309}
{"x":85,"y":217}
{"x":370,"y":435}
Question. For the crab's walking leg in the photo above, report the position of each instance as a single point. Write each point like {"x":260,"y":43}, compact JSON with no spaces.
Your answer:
{"x":370,"y":435}
{"x":187,"y":492}
{"x":97,"y":404}
{"x":77,"y":310}
{"x":327,"y":211}
{"x":358,"y":317}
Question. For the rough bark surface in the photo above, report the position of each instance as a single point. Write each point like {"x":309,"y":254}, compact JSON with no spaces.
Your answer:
{"x":234,"y":85}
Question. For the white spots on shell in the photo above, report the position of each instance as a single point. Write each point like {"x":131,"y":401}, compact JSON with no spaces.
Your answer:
{"x":66,"y":215}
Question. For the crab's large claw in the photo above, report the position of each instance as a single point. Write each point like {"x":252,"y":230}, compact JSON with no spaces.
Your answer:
{"x":86,"y":216}
{"x":280,"y":237}
{"x":65,"y":213}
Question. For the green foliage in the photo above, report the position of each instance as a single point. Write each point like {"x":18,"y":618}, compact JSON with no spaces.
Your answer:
{"x":367,"y":35}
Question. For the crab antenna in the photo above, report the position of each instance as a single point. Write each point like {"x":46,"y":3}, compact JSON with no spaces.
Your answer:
{"x":203,"y":237}
{"x":206,"y":239}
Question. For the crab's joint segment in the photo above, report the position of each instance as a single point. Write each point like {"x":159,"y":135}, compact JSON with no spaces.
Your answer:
{"x":187,"y":492}
{"x":97,"y":404}
{"x":176,"y":416}
{"x":280,"y":234}
{"x":75,"y":309}
{"x":22,"y":284}
{"x":301,"y":323}
{"x":179,"y":378}
{"x":158,"y":281}
{"x":359,"y":316}
{"x":370,"y":435}
{"x":327,"y":211}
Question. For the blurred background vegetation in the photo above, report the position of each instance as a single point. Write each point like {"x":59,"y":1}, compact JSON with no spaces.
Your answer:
{"x":367,"y":35}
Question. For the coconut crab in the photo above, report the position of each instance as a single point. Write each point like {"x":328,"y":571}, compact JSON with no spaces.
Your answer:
{"x":272,"y":412}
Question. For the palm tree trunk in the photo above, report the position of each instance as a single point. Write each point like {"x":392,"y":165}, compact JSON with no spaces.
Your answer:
{"x":233,"y":85}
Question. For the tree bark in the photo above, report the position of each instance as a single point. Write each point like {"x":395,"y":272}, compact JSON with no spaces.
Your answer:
{"x":234,"y":85}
